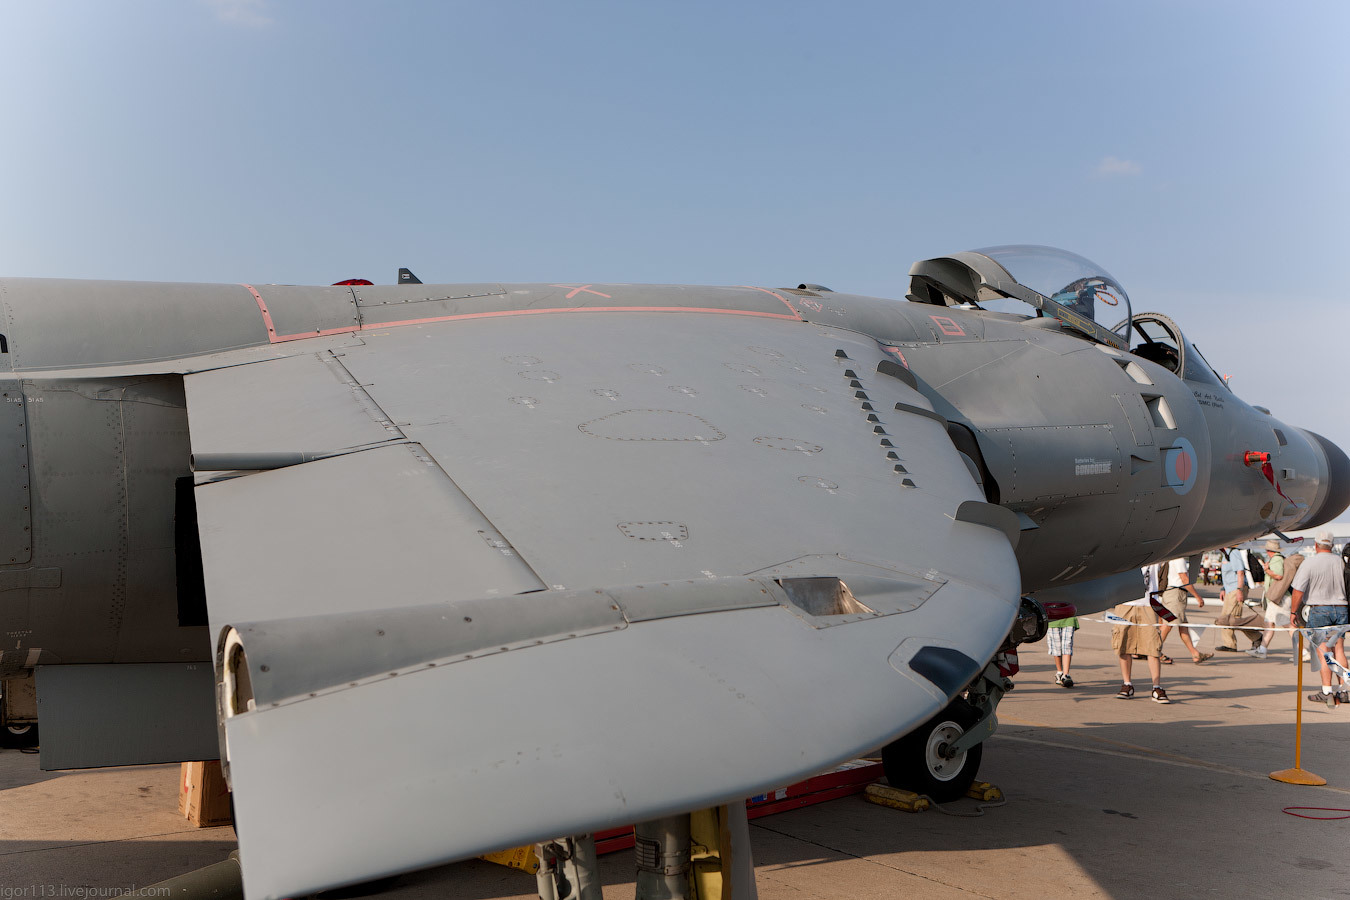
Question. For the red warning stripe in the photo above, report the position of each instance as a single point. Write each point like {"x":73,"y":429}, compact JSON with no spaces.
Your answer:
{"x":780,"y":297}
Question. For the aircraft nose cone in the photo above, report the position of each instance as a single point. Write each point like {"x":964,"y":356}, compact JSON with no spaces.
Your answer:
{"x":1337,"y":478}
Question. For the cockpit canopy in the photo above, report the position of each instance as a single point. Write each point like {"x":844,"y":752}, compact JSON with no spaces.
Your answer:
{"x":1054,"y":283}
{"x":1159,"y":340}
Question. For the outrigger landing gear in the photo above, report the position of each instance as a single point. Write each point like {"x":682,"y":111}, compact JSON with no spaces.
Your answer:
{"x":941,"y":757}
{"x":19,"y":736}
{"x":703,"y":854}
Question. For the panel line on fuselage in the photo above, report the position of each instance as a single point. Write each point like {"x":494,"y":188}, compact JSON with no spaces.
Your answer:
{"x":275,"y":338}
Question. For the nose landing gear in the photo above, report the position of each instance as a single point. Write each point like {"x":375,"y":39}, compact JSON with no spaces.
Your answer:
{"x":927,"y":761}
{"x":941,"y":757}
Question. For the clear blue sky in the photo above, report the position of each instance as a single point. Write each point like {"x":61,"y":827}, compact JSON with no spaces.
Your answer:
{"x":1197,"y":150}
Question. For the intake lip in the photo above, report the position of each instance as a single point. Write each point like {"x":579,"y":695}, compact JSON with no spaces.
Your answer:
{"x":1338,"y":483}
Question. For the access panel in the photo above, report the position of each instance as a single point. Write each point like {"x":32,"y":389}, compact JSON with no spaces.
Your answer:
{"x":16,"y":523}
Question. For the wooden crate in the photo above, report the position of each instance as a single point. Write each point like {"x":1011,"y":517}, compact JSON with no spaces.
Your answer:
{"x":203,"y":797}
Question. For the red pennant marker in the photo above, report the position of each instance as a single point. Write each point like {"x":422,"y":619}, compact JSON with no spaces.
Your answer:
{"x":1251,"y":457}
{"x":1269,"y":471}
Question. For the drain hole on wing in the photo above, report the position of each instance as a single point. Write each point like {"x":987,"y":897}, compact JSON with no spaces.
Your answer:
{"x":822,"y":596}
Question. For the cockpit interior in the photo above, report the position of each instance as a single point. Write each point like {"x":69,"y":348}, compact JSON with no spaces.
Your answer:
{"x":1159,"y":340}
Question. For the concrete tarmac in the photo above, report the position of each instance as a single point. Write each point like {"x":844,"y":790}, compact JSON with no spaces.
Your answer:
{"x":1105,"y":798}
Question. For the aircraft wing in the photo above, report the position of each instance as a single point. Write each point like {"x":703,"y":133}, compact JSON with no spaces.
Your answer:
{"x":483,"y":583}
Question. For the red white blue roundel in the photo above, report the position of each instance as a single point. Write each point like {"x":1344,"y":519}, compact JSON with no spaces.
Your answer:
{"x":1180,"y":466}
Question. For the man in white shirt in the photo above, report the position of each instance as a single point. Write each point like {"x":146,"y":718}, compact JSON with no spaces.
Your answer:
{"x":1174,"y":599}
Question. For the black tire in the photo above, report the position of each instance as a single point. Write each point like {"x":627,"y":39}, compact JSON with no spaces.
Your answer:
{"x":18,"y":736}
{"x":914,"y":764}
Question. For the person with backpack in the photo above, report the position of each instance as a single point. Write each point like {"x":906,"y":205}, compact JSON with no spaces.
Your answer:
{"x":1280,"y":573}
{"x":1236,"y":578}
{"x":1137,"y":636}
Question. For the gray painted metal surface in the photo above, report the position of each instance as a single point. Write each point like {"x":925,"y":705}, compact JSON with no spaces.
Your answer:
{"x":292,"y":659}
{"x":124,"y":322}
{"x":104,"y":454}
{"x":1100,"y":593}
{"x":102,"y":715}
{"x":642,"y":449}
{"x":724,"y":502}
{"x":257,"y":461}
{"x":293,"y":313}
{"x":662,"y":852}
{"x":662,"y":429}
{"x":379,"y":529}
{"x":767,"y":684}
{"x":305,"y":402}
{"x":16,"y":538}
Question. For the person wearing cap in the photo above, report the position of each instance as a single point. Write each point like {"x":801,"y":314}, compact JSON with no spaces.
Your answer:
{"x":1319,"y":595}
{"x":1279,"y":578}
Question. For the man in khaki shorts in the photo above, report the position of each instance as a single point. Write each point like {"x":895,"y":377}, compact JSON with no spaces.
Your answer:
{"x":1174,"y":599}
{"x":1140,"y":638}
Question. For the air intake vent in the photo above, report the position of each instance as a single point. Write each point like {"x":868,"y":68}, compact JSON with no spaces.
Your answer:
{"x":823,"y":596}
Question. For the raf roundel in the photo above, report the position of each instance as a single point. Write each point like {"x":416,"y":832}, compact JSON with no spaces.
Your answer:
{"x":1180,"y":466}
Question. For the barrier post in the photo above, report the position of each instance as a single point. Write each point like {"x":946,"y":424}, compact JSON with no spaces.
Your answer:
{"x":1297,"y":775}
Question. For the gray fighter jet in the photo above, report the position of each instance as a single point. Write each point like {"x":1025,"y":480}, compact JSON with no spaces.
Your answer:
{"x":442,"y":569}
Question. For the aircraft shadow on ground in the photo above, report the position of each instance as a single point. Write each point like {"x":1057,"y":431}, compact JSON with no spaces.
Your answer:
{"x":1134,"y":804}
{"x":1135,"y":807}
{"x":17,"y":768}
{"x":95,"y":869}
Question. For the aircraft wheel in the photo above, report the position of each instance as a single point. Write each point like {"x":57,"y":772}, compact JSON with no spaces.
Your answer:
{"x":19,"y":736}
{"x":915,"y":761}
